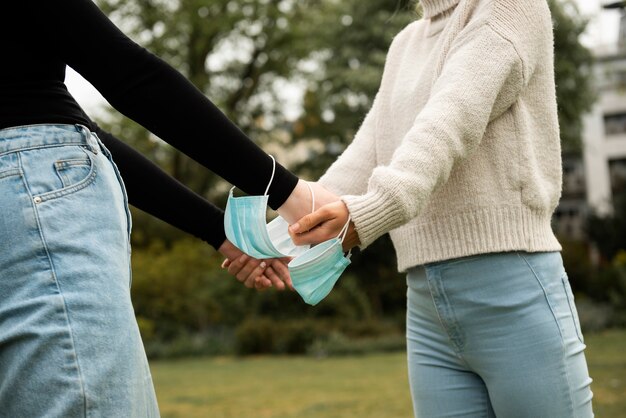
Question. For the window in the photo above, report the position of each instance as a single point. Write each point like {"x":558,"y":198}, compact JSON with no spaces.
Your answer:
{"x":615,"y":124}
{"x":617,"y":171}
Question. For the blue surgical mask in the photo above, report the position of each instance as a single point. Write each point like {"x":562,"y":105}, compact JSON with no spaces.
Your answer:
{"x":245,"y":226}
{"x":314,"y":270}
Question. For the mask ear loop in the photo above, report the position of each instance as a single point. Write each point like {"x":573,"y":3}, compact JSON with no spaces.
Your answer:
{"x":267,"y":189}
{"x":343,"y":233}
{"x":272,"y":177}
{"x":312,"y":200}
{"x":312,"y":197}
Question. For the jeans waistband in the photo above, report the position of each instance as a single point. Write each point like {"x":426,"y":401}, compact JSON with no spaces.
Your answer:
{"x":45,"y":135}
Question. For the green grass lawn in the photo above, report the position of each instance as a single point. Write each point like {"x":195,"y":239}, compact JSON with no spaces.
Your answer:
{"x":606,"y":356}
{"x":372,"y":386}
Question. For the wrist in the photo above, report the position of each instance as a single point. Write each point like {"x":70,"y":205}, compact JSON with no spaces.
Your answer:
{"x":297,"y":204}
{"x":228,"y":250}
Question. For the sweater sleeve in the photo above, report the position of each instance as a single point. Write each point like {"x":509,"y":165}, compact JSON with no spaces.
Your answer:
{"x":162,"y":196}
{"x":481,"y":78}
{"x":148,"y":90}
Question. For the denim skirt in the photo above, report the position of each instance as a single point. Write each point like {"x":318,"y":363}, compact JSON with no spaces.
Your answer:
{"x":69,"y":341}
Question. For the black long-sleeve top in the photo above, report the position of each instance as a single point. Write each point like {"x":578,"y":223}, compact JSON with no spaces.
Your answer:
{"x":163,"y":196}
{"x":38,"y":38}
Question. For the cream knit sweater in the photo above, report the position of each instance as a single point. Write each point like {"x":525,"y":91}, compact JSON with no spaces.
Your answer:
{"x":460,"y":152}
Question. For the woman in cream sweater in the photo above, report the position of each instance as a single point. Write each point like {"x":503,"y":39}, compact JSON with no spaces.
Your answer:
{"x":459,"y":160}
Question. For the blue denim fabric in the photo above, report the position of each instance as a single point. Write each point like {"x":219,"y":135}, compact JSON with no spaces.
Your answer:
{"x":496,"y":335}
{"x":69,"y":341}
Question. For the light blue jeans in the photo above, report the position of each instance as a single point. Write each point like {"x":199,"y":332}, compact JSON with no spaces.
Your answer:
{"x":69,"y":341}
{"x":496,"y":335}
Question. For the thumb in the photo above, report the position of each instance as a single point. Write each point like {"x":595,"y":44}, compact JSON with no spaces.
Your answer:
{"x":307,"y":222}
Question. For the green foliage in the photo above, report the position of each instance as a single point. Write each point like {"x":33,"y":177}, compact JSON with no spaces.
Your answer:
{"x":608,"y":232}
{"x":577,"y":261}
{"x":352,"y":40}
{"x":239,"y":53}
{"x":319,"y":337}
{"x":597,"y":269}
{"x":573,"y":71}
{"x":187,"y":305}
{"x":591,"y":286}
{"x":183,"y":289}
{"x":338,"y":345}
{"x":187,"y":344}
{"x":268,"y":336}
{"x":245,"y":55}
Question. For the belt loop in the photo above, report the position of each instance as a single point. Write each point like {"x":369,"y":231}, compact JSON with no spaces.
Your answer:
{"x":81,"y":129}
{"x":89,"y":138}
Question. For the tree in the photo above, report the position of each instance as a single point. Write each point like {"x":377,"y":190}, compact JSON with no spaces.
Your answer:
{"x":244,"y":54}
{"x":339,"y":98}
{"x":353,"y":38}
{"x":573,"y":72}
{"x":608,"y":233}
{"x":237,"y":52}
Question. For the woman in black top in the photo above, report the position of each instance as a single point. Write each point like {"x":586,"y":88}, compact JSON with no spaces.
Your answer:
{"x":69,"y":342}
{"x":167,"y":199}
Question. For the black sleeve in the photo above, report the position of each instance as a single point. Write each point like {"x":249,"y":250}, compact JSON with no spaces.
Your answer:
{"x":148,"y":90}
{"x":154,"y":191}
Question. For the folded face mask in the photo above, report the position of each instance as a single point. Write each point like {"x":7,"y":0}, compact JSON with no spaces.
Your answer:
{"x":314,"y":270}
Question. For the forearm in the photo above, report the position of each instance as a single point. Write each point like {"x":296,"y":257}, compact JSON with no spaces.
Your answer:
{"x":151,"y":92}
{"x":152,"y":190}
{"x":452,"y":124}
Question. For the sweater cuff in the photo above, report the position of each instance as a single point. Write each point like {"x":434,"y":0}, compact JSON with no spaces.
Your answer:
{"x":373,"y":214}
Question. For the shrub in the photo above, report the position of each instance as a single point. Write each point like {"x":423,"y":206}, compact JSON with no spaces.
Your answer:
{"x":255,"y":336}
{"x":338,"y":344}
{"x":217,"y":342}
{"x":316,"y":336}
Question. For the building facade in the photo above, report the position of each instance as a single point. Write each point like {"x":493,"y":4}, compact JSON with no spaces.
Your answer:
{"x":590,"y":183}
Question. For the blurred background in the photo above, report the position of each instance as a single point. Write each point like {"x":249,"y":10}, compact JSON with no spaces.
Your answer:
{"x":298,"y":76}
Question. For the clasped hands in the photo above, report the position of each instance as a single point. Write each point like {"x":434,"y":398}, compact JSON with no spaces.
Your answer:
{"x":306,"y":228}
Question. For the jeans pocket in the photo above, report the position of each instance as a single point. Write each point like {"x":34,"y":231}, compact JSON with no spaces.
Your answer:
{"x":572,"y":306}
{"x":54,"y":172}
{"x":72,"y":171}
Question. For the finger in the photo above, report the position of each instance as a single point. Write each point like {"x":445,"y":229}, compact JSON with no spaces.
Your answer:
{"x":310,"y":221}
{"x":282,"y":271}
{"x":329,"y":229}
{"x":252,"y":270}
{"x":262,"y":283}
{"x":274,"y":278}
{"x":243,"y":267}
{"x":226,"y":263}
{"x":236,"y":265}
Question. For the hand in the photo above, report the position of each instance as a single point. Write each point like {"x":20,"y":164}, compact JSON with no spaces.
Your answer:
{"x":260,"y":274}
{"x":299,"y":202}
{"x":325,"y":223}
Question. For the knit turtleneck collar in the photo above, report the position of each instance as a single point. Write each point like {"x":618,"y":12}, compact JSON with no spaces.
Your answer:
{"x":433,"y":8}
